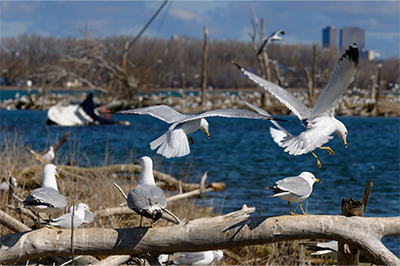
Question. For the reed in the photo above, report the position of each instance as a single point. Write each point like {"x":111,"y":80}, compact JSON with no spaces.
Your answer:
{"x":98,"y":192}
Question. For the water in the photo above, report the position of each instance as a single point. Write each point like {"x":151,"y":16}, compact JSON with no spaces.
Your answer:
{"x":242,"y":154}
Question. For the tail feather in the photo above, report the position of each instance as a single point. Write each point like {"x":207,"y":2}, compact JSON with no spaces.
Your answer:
{"x":277,"y":135}
{"x":172,"y":144}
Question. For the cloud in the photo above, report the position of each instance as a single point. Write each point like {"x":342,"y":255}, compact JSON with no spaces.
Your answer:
{"x":186,"y":15}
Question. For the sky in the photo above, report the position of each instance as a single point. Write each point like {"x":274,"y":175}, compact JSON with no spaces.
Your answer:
{"x":302,"y":21}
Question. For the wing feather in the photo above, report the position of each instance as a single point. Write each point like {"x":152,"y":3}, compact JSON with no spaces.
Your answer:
{"x":162,"y":112}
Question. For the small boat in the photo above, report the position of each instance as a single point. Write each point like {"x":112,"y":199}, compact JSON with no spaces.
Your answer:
{"x":83,"y":114}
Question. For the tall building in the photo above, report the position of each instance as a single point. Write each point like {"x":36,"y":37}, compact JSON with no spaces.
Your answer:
{"x":350,"y":35}
{"x":330,"y":37}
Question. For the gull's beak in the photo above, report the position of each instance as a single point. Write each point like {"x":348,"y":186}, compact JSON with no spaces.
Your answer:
{"x":57,"y":175}
{"x":137,"y":162}
{"x":345,"y":142}
{"x":208,"y":134}
{"x":317,"y":180}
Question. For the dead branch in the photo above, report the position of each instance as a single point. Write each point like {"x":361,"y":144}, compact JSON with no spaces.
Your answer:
{"x":363,"y":232}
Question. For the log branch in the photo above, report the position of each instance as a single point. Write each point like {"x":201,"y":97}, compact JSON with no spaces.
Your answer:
{"x":363,"y":232}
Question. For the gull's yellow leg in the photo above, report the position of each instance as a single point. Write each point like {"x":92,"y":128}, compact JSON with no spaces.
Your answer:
{"x":191,"y":140}
{"x":329,"y":150}
{"x":302,"y":211}
{"x":291,"y":213}
{"x":316,"y":157}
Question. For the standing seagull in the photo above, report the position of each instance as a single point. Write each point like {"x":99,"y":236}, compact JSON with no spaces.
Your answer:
{"x":273,"y":37}
{"x":64,"y":221}
{"x":173,"y":143}
{"x":146,"y":198}
{"x":47,"y":198}
{"x":320,"y":122}
{"x":294,"y":188}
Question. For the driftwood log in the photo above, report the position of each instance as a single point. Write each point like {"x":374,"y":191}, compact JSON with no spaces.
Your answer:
{"x":228,"y":231}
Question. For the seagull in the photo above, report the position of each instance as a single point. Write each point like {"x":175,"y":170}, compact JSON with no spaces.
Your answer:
{"x":294,"y":188}
{"x":174,"y":142}
{"x":49,"y":155}
{"x":323,"y":248}
{"x":320,"y":123}
{"x":89,"y":216}
{"x":199,"y":258}
{"x":47,"y":198}
{"x":273,"y":37}
{"x":64,"y":221}
{"x":146,"y":198}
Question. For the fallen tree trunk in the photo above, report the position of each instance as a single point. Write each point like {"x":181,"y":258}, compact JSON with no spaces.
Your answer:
{"x":220,"y":232}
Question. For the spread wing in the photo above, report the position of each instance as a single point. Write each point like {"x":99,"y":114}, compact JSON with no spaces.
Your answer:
{"x":162,"y":112}
{"x":230,"y":113}
{"x":285,"y":97}
{"x":341,"y":77}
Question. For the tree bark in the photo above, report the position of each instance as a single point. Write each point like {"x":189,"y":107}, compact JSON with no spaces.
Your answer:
{"x":204,"y":67}
{"x":204,"y":234}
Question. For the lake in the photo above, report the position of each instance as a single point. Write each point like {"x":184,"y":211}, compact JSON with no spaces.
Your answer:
{"x":242,"y":154}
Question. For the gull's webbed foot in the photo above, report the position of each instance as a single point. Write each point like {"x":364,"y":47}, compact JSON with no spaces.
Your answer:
{"x":191,"y":140}
{"x":316,"y":157}
{"x":302,"y":211}
{"x":331,"y":152}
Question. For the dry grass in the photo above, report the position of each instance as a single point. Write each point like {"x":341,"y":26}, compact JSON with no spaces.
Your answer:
{"x":99,"y":193}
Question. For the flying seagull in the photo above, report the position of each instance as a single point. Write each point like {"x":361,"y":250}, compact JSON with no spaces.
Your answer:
{"x":47,"y":198}
{"x":294,"y":188}
{"x":146,"y":198}
{"x":173,"y":143}
{"x":273,"y":37}
{"x":320,"y":123}
{"x":323,"y":248}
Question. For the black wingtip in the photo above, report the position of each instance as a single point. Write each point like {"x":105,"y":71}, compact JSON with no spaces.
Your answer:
{"x":352,"y":53}
{"x":233,"y":62}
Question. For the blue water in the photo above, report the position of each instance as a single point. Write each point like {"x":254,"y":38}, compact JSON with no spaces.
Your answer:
{"x":242,"y":154}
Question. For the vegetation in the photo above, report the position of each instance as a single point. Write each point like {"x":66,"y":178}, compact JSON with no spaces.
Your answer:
{"x":168,"y":63}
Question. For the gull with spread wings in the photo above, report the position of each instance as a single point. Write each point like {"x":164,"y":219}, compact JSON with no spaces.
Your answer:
{"x":174,"y":142}
{"x":320,"y":123}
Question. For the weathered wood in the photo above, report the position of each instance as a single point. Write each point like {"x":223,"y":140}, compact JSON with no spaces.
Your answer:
{"x":204,"y":67}
{"x":363,"y":232}
{"x":347,"y":254}
{"x":12,"y":223}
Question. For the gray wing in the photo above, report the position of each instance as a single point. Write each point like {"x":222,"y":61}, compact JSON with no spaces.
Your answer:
{"x":294,"y":184}
{"x":162,"y":112}
{"x":89,"y":217}
{"x":273,"y":37}
{"x":341,"y":77}
{"x":263,"y":112}
{"x":189,"y":258}
{"x":230,"y":113}
{"x":63,"y":221}
{"x":285,"y":97}
{"x":46,"y":196}
{"x":144,"y":196}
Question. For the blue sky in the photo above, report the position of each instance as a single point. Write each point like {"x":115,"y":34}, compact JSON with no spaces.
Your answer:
{"x":302,"y":21}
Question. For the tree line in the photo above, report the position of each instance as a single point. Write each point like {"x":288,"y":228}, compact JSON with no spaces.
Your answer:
{"x":168,"y":63}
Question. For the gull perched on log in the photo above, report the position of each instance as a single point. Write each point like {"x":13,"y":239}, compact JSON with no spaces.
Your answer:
{"x":320,"y":123}
{"x":82,"y":214}
{"x":47,"y":198}
{"x":146,"y":198}
{"x":323,"y":248}
{"x":173,"y":143}
{"x":273,"y":37}
{"x":294,"y":188}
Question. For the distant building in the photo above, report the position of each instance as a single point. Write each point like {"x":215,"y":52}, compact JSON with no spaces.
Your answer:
{"x":367,"y":54}
{"x":330,"y":37}
{"x":350,"y":35}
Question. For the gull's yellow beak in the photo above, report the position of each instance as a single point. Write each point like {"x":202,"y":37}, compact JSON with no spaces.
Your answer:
{"x":137,"y":162}
{"x":57,"y":175}
{"x":208,"y":134}
{"x":345,"y":142}
{"x":317,"y":180}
